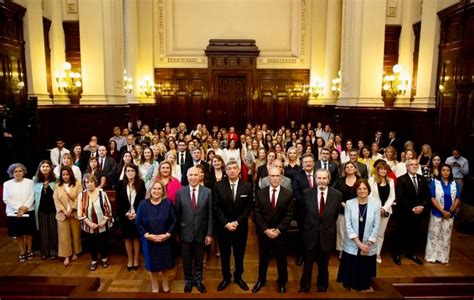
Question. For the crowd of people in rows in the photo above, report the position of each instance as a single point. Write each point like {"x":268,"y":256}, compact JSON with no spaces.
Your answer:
{"x":180,"y":189}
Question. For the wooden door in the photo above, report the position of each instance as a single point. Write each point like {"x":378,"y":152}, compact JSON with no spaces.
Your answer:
{"x":232,"y":101}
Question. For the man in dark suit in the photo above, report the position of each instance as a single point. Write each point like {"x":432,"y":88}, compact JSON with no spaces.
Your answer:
{"x":303,"y":179}
{"x":128,"y":145}
{"x":142,"y":138}
{"x":395,"y":142}
{"x":183,"y":157}
{"x":413,"y":196}
{"x":324,"y":163}
{"x":354,"y":157}
{"x":195,"y":225}
{"x":107,"y":164}
{"x":320,"y":214}
{"x":233,"y":201}
{"x":273,"y":214}
{"x":196,"y":160}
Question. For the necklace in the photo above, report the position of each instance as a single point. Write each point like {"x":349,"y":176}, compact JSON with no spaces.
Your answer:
{"x":362,"y":215}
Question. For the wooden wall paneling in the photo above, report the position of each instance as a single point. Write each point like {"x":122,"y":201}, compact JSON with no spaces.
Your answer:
{"x":392,"y":39}
{"x":296,"y":106}
{"x":72,"y":43}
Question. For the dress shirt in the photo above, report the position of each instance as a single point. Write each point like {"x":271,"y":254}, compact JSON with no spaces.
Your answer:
{"x":312,"y":178}
{"x":196,"y":193}
{"x":325,"y":195}
{"x":458,"y":172}
{"x":120,"y":141}
{"x":236,"y":183}
{"x":54,"y":155}
{"x":131,"y":195}
{"x":277,"y":192}
{"x":325,"y":164}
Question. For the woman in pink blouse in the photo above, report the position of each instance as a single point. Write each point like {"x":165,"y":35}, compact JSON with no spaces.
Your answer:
{"x":163,"y":174}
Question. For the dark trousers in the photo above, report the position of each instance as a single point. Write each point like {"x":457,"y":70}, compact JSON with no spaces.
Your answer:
{"x":98,"y":244}
{"x":236,"y":241}
{"x":266,"y":247}
{"x":407,"y":235}
{"x":193,"y":255}
{"x":322,"y":259}
{"x":298,"y":216}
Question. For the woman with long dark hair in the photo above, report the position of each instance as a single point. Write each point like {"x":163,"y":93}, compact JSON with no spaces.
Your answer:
{"x":129,"y":192}
{"x":43,"y":184}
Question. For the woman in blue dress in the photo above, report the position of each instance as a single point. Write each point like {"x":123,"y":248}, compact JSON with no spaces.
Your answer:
{"x":156,"y":219}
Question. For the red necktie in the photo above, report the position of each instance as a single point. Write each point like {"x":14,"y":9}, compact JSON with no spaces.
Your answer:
{"x":193,"y":200}
{"x":272,"y":204}
{"x":310,"y":181}
{"x":321,"y":204}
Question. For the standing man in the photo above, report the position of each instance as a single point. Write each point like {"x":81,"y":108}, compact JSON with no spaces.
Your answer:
{"x":194,"y":219}
{"x":233,"y":202}
{"x":118,"y":138}
{"x":354,"y":157}
{"x":304,"y":179}
{"x":324,"y":163}
{"x":413,"y":195}
{"x":57,"y":153}
{"x":183,"y":157}
{"x":273,"y":213}
{"x":129,"y":144}
{"x":196,"y":160}
{"x":459,"y":164}
{"x":321,"y":208}
{"x":107,"y":164}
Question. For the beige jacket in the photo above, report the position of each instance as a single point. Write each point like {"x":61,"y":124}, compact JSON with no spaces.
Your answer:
{"x":62,"y":198}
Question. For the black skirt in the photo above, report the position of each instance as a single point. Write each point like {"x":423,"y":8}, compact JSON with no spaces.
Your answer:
{"x":128,"y":229}
{"x":357,"y":271}
{"x":22,"y":226}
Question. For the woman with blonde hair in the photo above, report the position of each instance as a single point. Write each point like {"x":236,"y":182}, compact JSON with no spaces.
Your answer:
{"x":171,"y":156}
{"x":65,"y":196}
{"x":156,"y":220}
{"x":425,"y":155}
{"x":164,"y":174}
{"x":383,"y":190}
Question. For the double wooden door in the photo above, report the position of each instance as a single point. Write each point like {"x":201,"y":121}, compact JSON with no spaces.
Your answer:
{"x":232,"y":101}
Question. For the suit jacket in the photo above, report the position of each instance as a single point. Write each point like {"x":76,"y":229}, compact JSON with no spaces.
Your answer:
{"x":109,"y":168}
{"x":184,"y":178}
{"x":406,"y":196}
{"x":300,"y":183}
{"x":279,"y":218}
{"x":187,"y":160}
{"x":319,"y":229}
{"x":62,"y":199}
{"x":123,"y":203}
{"x":124,"y":149}
{"x":284,"y":182}
{"x":332,"y":169}
{"x":362,"y":170}
{"x":226,"y":210}
{"x":194,"y":225}
{"x":143,"y":140}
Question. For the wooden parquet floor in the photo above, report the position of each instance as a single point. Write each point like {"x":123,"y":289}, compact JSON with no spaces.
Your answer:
{"x":117,"y":278}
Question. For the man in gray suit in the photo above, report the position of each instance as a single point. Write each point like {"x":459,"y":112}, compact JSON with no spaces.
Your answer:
{"x":284,"y":181}
{"x":194,"y":219}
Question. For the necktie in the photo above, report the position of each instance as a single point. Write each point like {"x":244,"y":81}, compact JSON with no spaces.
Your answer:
{"x":325,"y":165}
{"x":101,"y":163}
{"x":321,"y":204}
{"x":272,"y":204}
{"x":310,"y":180}
{"x":232,"y":187}
{"x":182,"y":159}
{"x":193,"y":199}
{"x":59,"y":157}
{"x":415,"y":184}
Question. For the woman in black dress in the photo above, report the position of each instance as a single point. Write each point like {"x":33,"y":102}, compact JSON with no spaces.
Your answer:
{"x":156,"y":219}
{"x":129,"y":192}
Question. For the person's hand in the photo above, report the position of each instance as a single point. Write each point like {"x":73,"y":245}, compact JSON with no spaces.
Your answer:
{"x":343,"y":204}
{"x":446,"y":214}
{"x":418,"y":210}
{"x":230,"y":226}
{"x":271,"y":233}
{"x":68,"y":213}
{"x":208,"y":240}
{"x":364,"y":249}
{"x":23,"y":209}
{"x":131,"y":216}
{"x":93,"y":225}
{"x":382,"y":212}
{"x":19,"y":214}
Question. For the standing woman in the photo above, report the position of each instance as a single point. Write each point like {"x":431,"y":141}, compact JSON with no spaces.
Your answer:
{"x":113,"y":151}
{"x":335,"y":158}
{"x":79,"y":159}
{"x":18,"y":196}
{"x":345,"y":184}
{"x":95,"y":213}
{"x":432,"y":171}
{"x":67,"y":160}
{"x":292,"y":164}
{"x":164,"y":174}
{"x":65,"y":196}
{"x":129,"y":192}
{"x":382,"y":189}
{"x":445,"y":197}
{"x":155,"y":222}
{"x":45,"y":210}
{"x":362,"y":214}
{"x":94,"y":170}
{"x":120,"y":170}
{"x":147,"y":165}
{"x":175,"y":168}
{"x":232,"y":153}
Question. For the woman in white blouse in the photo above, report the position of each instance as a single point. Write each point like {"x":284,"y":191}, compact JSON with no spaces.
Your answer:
{"x":18,"y":195}
{"x":232,"y":153}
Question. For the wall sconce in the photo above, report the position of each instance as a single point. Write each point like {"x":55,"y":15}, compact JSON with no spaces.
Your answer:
{"x":442,"y":84}
{"x":127,"y":83}
{"x":146,"y":87}
{"x":315,"y":90}
{"x":394,"y":85}
{"x":336,"y":84}
{"x":168,"y":89}
{"x":17,"y":86}
{"x":68,"y":82}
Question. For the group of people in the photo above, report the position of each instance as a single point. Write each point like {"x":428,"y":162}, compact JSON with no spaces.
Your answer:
{"x":180,"y":190}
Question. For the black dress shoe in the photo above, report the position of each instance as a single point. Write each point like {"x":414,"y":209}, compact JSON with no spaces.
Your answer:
{"x":322,"y":290}
{"x":299,"y":260}
{"x":129,"y":268}
{"x":200,"y":286}
{"x":242,"y":284}
{"x":303,"y":290}
{"x":224,"y":283}
{"x":188,"y":286}
{"x":416,"y":259}
{"x":282,"y":289}
{"x":397,"y":260}
{"x":258,"y":286}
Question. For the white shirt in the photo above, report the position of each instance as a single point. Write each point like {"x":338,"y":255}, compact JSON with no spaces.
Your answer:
{"x":131,"y":194}
{"x":54,"y":155}
{"x":196,"y":193}
{"x":277,"y":192}
{"x":230,"y":155}
{"x":325,"y":196}
{"x":75,"y":169}
{"x":18,"y":194}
